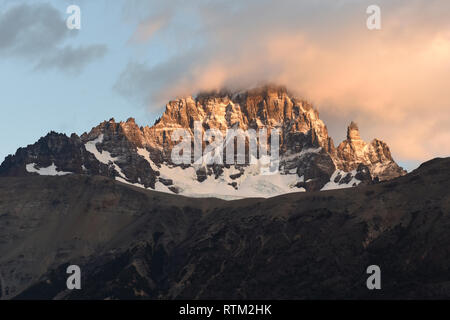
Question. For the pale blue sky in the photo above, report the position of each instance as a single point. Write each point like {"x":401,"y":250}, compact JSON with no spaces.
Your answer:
{"x":33,"y":102}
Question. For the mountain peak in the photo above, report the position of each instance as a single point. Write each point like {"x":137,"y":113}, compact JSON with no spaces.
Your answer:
{"x":262,"y":91}
{"x":141,"y":156}
{"x":353,"y":131}
{"x":269,"y":90}
{"x":376,"y":154}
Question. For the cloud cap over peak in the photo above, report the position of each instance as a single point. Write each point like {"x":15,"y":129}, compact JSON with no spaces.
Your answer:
{"x":392,"y":81}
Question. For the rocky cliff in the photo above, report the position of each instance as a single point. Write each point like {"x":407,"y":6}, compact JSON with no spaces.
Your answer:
{"x":376,"y":154}
{"x":309,"y":160}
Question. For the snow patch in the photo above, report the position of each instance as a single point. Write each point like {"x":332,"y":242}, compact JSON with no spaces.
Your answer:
{"x":130,"y":183}
{"x":250,"y":184}
{"x":146,"y":155}
{"x":331,"y":185}
{"x":104,"y":156}
{"x":46,"y":171}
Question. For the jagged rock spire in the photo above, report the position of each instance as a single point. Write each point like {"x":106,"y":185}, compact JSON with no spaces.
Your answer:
{"x":353,"y":131}
{"x":376,"y":155}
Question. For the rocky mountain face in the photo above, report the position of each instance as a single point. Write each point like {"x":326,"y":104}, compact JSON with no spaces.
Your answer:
{"x":376,"y":154}
{"x":132,"y":243}
{"x":309,"y":160}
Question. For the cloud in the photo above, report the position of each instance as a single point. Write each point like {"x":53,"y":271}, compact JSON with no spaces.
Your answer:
{"x":36,"y":33}
{"x":72,"y":59}
{"x":148,"y":28}
{"x":394,"y":81}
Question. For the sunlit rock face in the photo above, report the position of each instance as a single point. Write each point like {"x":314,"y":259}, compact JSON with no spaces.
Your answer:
{"x":376,"y":155}
{"x":309,"y":160}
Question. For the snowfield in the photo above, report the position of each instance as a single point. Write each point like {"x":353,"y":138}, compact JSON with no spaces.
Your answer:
{"x":248,"y":180}
{"x":45,"y":171}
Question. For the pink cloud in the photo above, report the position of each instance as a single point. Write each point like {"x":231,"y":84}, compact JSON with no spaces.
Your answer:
{"x":394,"y":82}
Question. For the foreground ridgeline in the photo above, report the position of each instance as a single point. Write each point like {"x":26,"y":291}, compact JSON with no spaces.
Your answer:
{"x":307,"y":159}
{"x":131,"y":243}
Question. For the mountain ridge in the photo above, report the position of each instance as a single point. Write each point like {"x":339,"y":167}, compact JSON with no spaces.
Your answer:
{"x":309,"y":160}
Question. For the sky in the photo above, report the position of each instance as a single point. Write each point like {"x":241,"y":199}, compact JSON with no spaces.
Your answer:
{"x":131,"y":57}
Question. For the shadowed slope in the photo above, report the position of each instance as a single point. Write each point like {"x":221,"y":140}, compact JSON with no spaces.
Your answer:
{"x":133,"y":243}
